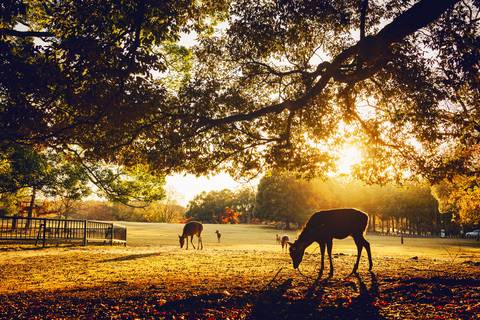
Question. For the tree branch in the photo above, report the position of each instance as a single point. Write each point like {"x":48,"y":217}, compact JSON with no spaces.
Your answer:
{"x":25,"y":34}
{"x":370,"y":49}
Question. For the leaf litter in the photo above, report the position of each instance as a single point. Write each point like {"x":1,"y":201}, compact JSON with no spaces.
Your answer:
{"x":97,"y":282}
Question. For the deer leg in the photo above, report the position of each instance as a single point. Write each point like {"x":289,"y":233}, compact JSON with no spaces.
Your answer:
{"x":360,"y":242}
{"x":366,"y":244}
{"x":329,"y":251}
{"x":191,"y":240}
{"x":200,"y":242}
{"x":322,"y":261}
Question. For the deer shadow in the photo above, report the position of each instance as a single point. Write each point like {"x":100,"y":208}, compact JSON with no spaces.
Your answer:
{"x":317,"y":302}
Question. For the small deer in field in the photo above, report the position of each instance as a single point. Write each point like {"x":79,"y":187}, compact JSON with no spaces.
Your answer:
{"x":284,"y":242}
{"x":218,"y":235}
{"x":279,"y":240}
{"x":323,"y":226}
{"x":189,"y":230}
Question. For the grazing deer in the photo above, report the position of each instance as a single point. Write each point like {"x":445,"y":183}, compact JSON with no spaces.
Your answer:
{"x":279,"y":240}
{"x":189,"y":230}
{"x":284,"y":242}
{"x":218,"y":235}
{"x":323,"y":226}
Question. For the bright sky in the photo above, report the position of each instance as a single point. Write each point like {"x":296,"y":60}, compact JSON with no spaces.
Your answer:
{"x":189,"y":186}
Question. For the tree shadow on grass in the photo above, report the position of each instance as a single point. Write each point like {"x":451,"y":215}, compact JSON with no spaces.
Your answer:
{"x":130,"y":257}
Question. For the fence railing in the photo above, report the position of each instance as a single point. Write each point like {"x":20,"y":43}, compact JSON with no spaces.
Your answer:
{"x":57,"y":230}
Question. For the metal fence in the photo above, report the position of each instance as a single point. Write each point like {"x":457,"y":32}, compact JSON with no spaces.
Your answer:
{"x":19,"y":229}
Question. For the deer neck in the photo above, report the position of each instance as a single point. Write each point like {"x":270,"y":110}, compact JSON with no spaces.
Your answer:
{"x":305,"y":240}
{"x":309,"y":234}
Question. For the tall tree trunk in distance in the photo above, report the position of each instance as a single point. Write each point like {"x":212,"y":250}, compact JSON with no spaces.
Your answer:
{"x":30,"y":210}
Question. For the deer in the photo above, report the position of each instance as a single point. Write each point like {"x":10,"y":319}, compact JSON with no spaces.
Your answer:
{"x":323,"y":226}
{"x":189,"y":230}
{"x":279,"y":240}
{"x":285,"y":239}
{"x":218,"y":235}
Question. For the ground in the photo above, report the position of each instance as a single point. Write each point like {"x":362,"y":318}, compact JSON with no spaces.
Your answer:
{"x":224,"y":281}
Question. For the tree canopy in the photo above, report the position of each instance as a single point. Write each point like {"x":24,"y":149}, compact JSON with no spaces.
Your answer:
{"x":283,"y":84}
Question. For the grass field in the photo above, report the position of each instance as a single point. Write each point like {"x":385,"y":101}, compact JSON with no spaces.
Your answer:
{"x":262,"y":237}
{"x":246,"y":275}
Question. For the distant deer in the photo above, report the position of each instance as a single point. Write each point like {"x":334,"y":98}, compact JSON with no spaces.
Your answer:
{"x":279,"y":240}
{"x":218,"y":235}
{"x":189,"y":230}
{"x":323,"y":226}
{"x":284,"y":242}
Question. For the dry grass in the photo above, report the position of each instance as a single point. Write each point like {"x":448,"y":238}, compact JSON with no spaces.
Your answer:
{"x":247,"y":260}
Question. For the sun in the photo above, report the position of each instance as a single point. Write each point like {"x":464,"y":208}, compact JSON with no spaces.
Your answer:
{"x":348,"y":157}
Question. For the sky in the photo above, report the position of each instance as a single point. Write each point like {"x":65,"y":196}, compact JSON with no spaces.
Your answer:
{"x":189,"y":186}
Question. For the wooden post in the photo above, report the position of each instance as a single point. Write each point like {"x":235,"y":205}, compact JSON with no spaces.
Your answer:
{"x":111,"y":234}
{"x":85,"y":233}
{"x":44,"y":231}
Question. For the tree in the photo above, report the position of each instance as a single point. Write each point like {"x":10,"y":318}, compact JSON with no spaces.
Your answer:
{"x":212,"y":207}
{"x":461,"y":196}
{"x":127,"y":185}
{"x":383,"y":75}
{"x":283,"y":86}
{"x":282,"y":198}
{"x":69,"y":184}
{"x":244,"y":202}
{"x":169,"y":210}
{"x":81,"y":73}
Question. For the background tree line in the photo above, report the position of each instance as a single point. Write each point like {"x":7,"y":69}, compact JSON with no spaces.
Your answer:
{"x":288,"y":202}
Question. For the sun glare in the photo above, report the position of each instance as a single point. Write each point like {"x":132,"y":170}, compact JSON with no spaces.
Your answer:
{"x":348,"y":157}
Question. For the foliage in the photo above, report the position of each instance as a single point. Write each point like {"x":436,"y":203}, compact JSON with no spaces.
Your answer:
{"x":63,"y":177}
{"x":69,"y":185}
{"x":284,"y":85}
{"x":22,"y":167}
{"x":81,"y":73}
{"x":281,"y":198}
{"x":9,"y":204}
{"x":244,"y":202}
{"x":127,"y":184}
{"x":212,"y":207}
{"x":460,"y":196}
{"x":95,"y":210}
{"x":160,"y":212}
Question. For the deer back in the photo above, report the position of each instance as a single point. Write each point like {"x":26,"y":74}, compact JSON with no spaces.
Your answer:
{"x":339,"y":224}
{"x":192,"y":228}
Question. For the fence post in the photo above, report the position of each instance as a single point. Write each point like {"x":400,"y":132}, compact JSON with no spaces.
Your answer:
{"x":111,"y":234}
{"x":44,"y":231}
{"x":85,"y":233}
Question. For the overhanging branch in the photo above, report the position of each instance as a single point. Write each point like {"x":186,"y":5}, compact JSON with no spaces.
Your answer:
{"x":371,"y":49}
{"x":25,"y":34}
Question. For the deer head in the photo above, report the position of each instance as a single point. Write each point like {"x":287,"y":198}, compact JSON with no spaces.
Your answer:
{"x":297,"y":249}
{"x":182,"y":241}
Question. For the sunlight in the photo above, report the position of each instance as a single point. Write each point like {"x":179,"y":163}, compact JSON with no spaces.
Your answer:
{"x":348,"y":157}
